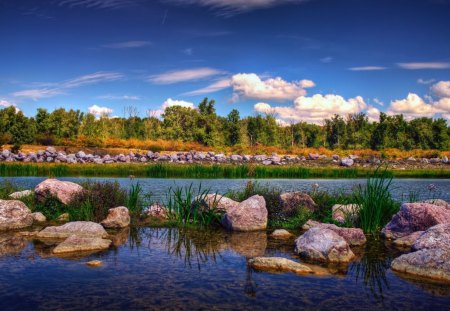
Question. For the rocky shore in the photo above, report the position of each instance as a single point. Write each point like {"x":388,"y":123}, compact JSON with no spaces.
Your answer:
{"x":51,"y":155}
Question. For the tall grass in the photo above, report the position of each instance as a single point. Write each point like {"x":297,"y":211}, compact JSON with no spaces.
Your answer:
{"x":375,"y":200}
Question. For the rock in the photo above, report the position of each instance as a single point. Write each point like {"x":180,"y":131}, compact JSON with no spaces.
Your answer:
{"x":51,"y":150}
{"x":414,"y":217}
{"x":335,"y":157}
{"x":353,"y":236}
{"x":324,"y":245}
{"x":281,"y":234}
{"x":342,"y":212}
{"x":428,"y":263}
{"x":118,"y":217}
{"x":64,"y":191}
{"x":94,"y":263}
{"x":64,"y":217}
{"x":408,"y":240}
{"x":278,"y":264}
{"x":39,"y":217}
{"x":20,"y":194}
{"x":217,"y":201}
{"x":291,"y":201}
{"x":76,"y":243}
{"x":157,"y":211}
{"x":6,"y":153}
{"x":14,"y":215}
{"x":313,"y":156}
{"x":435,"y":237}
{"x":347,"y":162}
{"x":79,"y":228}
{"x":438,"y":202}
{"x":80,"y":155}
{"x":249,"y":215}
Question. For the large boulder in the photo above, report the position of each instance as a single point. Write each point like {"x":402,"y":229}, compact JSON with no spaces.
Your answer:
{"x":353,"y":236}
{"x":342,"y":212}
{"x":75,"y":243}
{"x":118,"y":217}
{"x":249,"y":215}
{"x":14,"y":215}
{"x":278,"y":264}
{"x":64,"y":191}
{"x":414,"y":217}
{"x":217,"y":201}
{"x":438,"y":202}
{"x":324,"y":245}
{"x":291,"y":201}
{"x":435,"y":237}
{"x":79,"y":228}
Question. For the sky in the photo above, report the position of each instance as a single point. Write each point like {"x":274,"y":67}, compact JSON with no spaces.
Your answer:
{"x":300,"y":60}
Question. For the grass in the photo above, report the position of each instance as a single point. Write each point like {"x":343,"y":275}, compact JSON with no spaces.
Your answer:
{"x":168,"y":170}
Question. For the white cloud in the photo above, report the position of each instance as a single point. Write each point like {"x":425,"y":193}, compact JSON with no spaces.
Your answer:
{"x":316,"y":108}
{"x":177,"y":76}
{"x":127,"y":45}
{"x":443,"y":104}
{"x":423,"y":81}
{"x":412,"y":106}
{"x":373,"y":114}
{"x":441,"y":89}
{"x":367,"y":68}
{"x":378,"y":102}
{"x":99,"y":111}
{"x":214,"y":87}
{"x":171,"y":102}
{"x":326,"y":60}
{"x":250,"y":85}
{"x":119,"y":97}
{"x":424,"y":65}
{"x":59,"y":88}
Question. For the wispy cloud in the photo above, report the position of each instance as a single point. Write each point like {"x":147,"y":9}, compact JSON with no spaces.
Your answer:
{"x":99,"y":4}
{"x":207,"y":33}
{"x":127,"y":45}
{"x":177,"y":76}
{"x":228,"y":8}
{"x":326,"y":60}
{"x":425,"y":65}
{"x":119,"y":97}
{"x":423,"y":81}
{"x":367,"y":68}
{"x":214,"y":87}
{"x":59,"y":88}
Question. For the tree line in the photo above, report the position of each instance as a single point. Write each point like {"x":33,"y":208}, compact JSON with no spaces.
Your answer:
{"x":204,"y":126}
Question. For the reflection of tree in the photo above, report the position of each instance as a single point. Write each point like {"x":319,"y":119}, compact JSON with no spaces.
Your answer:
{"x":372,"y":268}
{"x":250,"y":285}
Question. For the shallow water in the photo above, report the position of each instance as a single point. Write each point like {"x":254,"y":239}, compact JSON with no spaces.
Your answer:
{"x":151,"y":268}
{"x":401,"y":188}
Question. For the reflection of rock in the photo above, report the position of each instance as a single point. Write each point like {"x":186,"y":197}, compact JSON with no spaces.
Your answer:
{"x":249,"y":215}
{"x":353,"y":236}
{"x":11,"y":244}
{"x":80,"y":228}
{"x":278,"y":264}
{"x":281,"y":234}
{"x":118,"y":217}
{"x":76,"y":243}
{"x":324,"y":245}
{"x":64,"y":191}
{"x":119,"y":238}
{"x":408,"y":240}
{"x":434,"y":288}
{"x":249,"y":244}
{"x":14,"y":215}
{"x":414,"y":217}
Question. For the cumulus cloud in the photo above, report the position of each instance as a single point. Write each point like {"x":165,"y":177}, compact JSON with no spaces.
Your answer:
{"x":213,"y":87}
{"x":177,"y":76}
{"x":127,"y":45}
{"x":316,"y":108}
{"x":250,"y":85}
{"x":441,"y":89}
{"x":5,"y":103}
{"x":171,"y":102}
{"x":412,"y":106}
{"x":99,"y":111}
{"x":424,"y":65}
{"x":367,"y":68}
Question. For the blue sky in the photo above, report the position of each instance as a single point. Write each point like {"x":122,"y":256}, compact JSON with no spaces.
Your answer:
{"x":300,"y":60}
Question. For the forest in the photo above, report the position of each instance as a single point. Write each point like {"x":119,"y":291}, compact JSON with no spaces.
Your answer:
{"x":204,"y":127}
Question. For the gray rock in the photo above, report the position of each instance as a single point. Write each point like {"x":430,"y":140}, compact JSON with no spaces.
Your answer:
{"x":249,"y":215}
{"x":278,"y":264}
{"x":347,"y":162}
{"x":14,"y":215}
{"x":75,"y":243}
{"x":79,"y":228}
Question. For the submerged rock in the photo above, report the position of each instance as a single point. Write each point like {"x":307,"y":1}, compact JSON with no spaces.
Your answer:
{"x":342,"y":212}
{"x":414,"y":217}
{"x":281,"y":234}
{"x":291,"y":201}
{"x":249,"y":215}
{"x":79,"y":228}
{"x":324,"y":245}
{"x":94,"y":263}
{"x":76,"y":243}
{"x":278,"y":264}
{"x":14,"y":215}
{"x":64,"y":191}
{"x":20,"y":194}
{"x":118,"y":217}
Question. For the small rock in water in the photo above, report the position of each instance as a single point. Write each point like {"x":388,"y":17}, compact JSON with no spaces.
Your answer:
{"x":76,"y":243}
{"x":118,"y":217}
{"x":94,"y":263}
{"x":278,"y":264}
{"x":281,"y":234}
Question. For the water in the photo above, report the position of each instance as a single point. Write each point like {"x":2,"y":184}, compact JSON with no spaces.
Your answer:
{"x":149,"y":268}
{"x":401,"y":188}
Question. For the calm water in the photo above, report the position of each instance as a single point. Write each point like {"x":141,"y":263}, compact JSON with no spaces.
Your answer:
{"x":152,"y":268}
{"x":401,"y":188}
